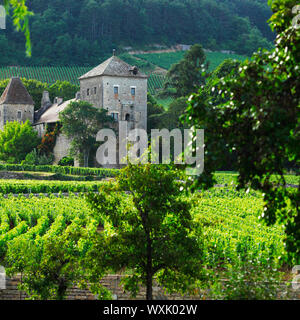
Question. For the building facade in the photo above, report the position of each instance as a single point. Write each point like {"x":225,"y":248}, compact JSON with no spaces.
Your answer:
{"x":120,"y":89}
{"x":16,"y":104}
{"x":114,"y":85}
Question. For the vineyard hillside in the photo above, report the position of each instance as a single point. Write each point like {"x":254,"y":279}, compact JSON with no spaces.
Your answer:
{"x":155,"y":65}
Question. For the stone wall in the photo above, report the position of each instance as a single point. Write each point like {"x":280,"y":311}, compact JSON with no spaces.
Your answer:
{"x":92,"y":84}
{"x":112,"y":282}
{"x":20,"y":112}
{"x":124,"y":103}
{"x":62,"y":148}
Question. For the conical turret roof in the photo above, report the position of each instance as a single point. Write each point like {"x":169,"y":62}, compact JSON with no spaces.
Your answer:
{"x":16,"y":93}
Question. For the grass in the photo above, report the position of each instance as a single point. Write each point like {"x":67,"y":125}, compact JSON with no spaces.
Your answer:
{"x":167,"y":59}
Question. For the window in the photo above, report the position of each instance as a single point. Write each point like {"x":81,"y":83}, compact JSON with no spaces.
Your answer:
{"x":133,"y":91}
{"x":88,"y":92}
{"x":115,"y":116}
{"x":116,"y":90}
{"x":19,"y":115}
{"x":95,"y":90}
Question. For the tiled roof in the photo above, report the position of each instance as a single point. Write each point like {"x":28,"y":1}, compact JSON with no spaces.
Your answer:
{"x":52,"y":114}
{"x":16,"y":93}
{"x":114,"y":66}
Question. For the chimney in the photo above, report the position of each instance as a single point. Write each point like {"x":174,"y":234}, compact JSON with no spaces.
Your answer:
{"x":45,"y":100}
{"x":45,"y":105}
{"x":78,"y":96}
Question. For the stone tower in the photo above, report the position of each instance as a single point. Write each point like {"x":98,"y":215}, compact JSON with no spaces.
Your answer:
{"x":119,"y":88}
{"x":16,"y":104}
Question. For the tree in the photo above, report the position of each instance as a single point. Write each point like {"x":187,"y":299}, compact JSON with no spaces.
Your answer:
{"x":35,"y":89}
{"x":188,"y":74}
{"x":16,"y":141}
{"x":63,"y":89}
{"x":88,"y":30}
{"x":260,"y":123}
{"x":20,"y":17}
{"x":147,"y":229}
{"x":81,"y":123}
{"x":154,"y":111}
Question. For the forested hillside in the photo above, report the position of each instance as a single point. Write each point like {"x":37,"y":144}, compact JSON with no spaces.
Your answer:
{"x":83,"y":32}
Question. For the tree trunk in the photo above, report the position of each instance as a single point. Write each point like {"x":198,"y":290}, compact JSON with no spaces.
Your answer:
{"x":149,"y":270}
{"x":86,"y":158}
{"x":62,"y":288}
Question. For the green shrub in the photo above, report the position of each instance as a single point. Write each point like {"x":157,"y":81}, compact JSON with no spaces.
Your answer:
{"x":79,"y":171}
{"x":35,"y":158}
{"x":66,"y":161}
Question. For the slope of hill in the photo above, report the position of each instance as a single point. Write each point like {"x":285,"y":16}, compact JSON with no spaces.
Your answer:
{"x":166,"y":60}
{"x":148,"y":63}
{"x":50,"y":75}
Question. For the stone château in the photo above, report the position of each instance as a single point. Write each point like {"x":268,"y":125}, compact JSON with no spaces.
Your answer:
{"x":114,"y":85}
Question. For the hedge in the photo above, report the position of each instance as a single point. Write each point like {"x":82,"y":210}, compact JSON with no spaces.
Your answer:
{"x":79,"y":171}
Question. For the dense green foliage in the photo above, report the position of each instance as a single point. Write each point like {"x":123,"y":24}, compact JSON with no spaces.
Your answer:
{"x":20,"y":14}
{"x":38,"y":159}
{"x":44,"y":240}
{"x":81,"y":123}
{"x":232,"y":230}
{"x":16,"y":141}
{"x":188,"y":74}
{"x":228,"y":220}
{"x":148,"y":230}
{"x":66,"y":162}
{"x":258,"y":117}
{"x":86,"y":31}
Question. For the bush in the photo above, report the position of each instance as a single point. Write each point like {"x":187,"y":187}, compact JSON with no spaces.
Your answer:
{"x":16,"y":141}
{"x":66,"y":161}
{"x":99,"y":172}
{"x":35,"y":158}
